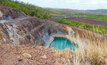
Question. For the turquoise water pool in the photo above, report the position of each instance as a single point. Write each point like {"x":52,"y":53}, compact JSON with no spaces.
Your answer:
{"x":62,"y":43}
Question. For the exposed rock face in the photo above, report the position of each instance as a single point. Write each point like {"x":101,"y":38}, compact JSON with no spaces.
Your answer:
{"x":10,"y":13}
{"x":28,"y":30}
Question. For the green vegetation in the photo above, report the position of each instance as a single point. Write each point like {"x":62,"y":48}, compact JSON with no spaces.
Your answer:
{"x":100,"y":17}
{"x":57,"y":13}
{"x":94,"y":28}
{"x":28,"y":9}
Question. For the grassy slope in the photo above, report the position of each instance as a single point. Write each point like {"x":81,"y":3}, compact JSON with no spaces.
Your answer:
{"x":28,"y":9}
{"x":94,"y":28}
{"x":93,"y":52}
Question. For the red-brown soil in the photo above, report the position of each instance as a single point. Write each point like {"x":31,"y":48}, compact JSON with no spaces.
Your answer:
{"x":34,"y":55}
{"x":14,"y":55}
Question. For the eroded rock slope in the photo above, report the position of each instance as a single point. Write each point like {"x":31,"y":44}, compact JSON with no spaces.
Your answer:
{"x":22,"y":29}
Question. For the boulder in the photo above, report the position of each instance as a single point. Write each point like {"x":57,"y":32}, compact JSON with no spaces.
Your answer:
{"x":26,"y":55}
{"x":44,"y":57}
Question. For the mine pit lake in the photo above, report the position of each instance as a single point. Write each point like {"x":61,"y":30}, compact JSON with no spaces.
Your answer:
{"x":62,"y":43}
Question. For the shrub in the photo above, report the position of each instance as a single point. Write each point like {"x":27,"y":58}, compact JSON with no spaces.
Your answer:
{"x":94,"y":28}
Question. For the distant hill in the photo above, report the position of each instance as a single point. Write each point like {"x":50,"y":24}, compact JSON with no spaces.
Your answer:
{"x":99,"y":10}
{"x":72,"y":12}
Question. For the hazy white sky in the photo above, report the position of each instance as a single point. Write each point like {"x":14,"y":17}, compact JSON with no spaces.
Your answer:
{"x":70,"y":4}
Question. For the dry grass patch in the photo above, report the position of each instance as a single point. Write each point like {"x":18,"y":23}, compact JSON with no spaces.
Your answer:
{"x":92,"y":51}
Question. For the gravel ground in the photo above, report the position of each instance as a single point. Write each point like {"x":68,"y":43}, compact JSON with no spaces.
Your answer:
{"x":22,"y":55}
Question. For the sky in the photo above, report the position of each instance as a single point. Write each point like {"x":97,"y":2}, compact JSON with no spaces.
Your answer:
{"x":70,"y":4}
